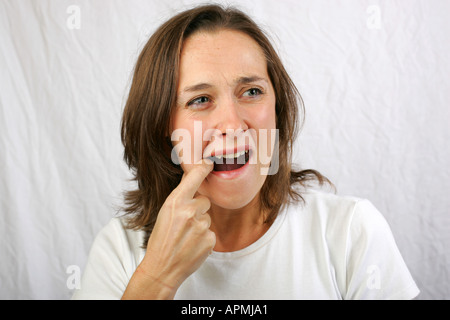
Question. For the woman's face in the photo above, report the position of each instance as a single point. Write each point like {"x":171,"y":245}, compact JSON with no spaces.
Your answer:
{"x":225,"y":112}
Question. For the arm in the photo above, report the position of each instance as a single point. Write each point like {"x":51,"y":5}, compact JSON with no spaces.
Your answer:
{"x":375,"y":267}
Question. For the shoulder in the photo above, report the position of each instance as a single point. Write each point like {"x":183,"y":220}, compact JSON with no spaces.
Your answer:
{"x":116,"y":236}
{"x":112,"y":260}
{"x":331,"y":201}
{"x":117,"y":226}
{"x":360,"y":246}
{"x":332,"y":209}
{"x":358,"y":214}
{"x":341,"y":219}
{"x":329,"y":221}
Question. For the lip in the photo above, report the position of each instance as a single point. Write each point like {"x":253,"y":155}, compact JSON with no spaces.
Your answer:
{"x":228,"y":151}
{"x":233,"y":174}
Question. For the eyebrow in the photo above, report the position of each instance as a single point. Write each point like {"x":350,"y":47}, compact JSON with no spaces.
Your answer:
{"x":197,"y":87}
{"x":246,"y":80}
{"x":241,"y":80}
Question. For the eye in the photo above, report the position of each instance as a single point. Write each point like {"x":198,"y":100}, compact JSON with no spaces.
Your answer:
{"x":253,"y":92}
{"x":198,"y":102}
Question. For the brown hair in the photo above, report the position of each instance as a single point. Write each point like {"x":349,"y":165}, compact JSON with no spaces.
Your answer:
{"x":145,"y":123}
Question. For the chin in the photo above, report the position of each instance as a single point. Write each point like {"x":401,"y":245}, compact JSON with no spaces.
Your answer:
{"x":232,"y":194}
{"x":232,"y":202}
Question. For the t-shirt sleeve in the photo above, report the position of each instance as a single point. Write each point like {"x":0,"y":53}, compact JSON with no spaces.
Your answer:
{"x":106,"y":274}
{"x":375,"y":267}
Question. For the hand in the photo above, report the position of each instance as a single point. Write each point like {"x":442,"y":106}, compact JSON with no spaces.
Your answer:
{"x":180,"y":241}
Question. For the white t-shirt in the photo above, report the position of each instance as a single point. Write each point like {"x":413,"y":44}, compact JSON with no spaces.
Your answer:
{"x":329,"y":247}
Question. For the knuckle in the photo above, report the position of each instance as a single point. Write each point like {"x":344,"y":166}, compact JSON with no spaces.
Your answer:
{"x":201,"y":226}
{"x":189,"y":213}
{"x":207,"y":218}
{"x":207,"y":202}
{"x":211,"y":237}
{"x":205,"y":225}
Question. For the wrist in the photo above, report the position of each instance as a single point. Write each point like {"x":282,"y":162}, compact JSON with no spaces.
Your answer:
{"x":144,"y":285}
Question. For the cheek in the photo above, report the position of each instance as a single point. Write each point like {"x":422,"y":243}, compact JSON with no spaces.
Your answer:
{"x":264,"y":117}
{"x":188,"y":141}
{"x":265,"y":112}
{"x":182,"y":140}
{"x":264,"y":121}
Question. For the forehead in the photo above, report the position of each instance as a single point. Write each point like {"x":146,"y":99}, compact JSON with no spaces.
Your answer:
{"x":225,"y":53}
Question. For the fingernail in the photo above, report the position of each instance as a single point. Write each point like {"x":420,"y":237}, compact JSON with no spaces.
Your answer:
{"x":208,"y":161}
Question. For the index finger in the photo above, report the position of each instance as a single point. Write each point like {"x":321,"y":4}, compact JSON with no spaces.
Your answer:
{"x":193,"y":179}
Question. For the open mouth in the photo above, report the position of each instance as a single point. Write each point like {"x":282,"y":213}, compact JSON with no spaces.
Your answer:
{"x":230,"y":162}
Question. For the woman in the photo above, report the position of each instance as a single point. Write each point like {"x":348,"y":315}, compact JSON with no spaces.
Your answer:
{"x":211,"y":217}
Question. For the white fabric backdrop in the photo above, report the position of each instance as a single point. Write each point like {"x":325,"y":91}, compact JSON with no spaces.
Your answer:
{"x":374,"y":76}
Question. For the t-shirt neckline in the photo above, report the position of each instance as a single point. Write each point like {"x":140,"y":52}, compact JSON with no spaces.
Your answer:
{"x":265,"y":238}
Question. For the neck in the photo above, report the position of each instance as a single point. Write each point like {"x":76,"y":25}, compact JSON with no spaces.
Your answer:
{"x":236,"y":229}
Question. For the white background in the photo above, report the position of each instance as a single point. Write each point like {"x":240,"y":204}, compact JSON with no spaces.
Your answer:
{"x":374,"y":76}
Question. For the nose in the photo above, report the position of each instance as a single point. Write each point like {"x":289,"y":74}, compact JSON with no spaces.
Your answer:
{"x":230,"y":117}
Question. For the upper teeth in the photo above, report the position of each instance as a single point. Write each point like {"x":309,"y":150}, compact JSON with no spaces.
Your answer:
{"x":230,"y":155}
